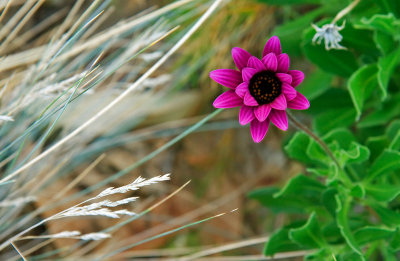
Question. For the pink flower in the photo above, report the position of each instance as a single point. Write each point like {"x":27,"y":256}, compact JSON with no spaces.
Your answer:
{"x":262,"y":88}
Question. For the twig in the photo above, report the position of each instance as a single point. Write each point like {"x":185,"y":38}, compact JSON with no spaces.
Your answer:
{"x":224,"y":248}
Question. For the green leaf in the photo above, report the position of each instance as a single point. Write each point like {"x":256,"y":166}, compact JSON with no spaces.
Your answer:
{"x":387,"y":216}
{"x":390,"y":6}
{"x":331,"y":232}
{"x":370,"y":234}
{"x":386,"y":66}
{"x":331,"y":99}
{"x":297,"y":146}
{"x":287,"y":204}
{"x":389,"y":255}
{"x":332,"y":119}
{"x":280,"y":242}
{"x":393,"y":134}
{"x":384,"y":42}
{"x":309,"y":235}
{"x":383,"y":192}
{"x":395,"y":242}
{"x":318,"y":171}
{"x":342,"y":136}
{"x":393,"y":129}
{"x":321,"y":254}
{"x":389,"y":110}
{"x":361,"y":84}
{"x":315,"y":151}
{"x":342,"y":212}
{"x":395,"y":144}
{"x":301,"y":185}
{"x":387,"y":162}
{"x":359,"y":39}
{"x":384,"y":23}
{"x":357,"y":191}
{"x":287,"y":200}
{"x":315,"y":84}
{"x":350,"y":256}
{"x":355,"y":154}
{"x":384,"y":28}
{"x":340,"y":62}
{"x":376,"y":145}
{"x":328,"y":200}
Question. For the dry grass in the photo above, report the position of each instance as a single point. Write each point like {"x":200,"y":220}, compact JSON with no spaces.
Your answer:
{"x":86,"y":101}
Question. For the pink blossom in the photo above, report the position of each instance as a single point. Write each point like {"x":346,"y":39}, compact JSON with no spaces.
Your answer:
{"x":263,"y":89}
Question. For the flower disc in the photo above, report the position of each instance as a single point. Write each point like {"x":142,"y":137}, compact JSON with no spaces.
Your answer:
{"x":264,"y":86}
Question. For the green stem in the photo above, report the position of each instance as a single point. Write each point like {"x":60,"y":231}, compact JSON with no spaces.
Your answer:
{"x":345,"y":11}
{"x":343,"y":175}
{"x":304,"y":128}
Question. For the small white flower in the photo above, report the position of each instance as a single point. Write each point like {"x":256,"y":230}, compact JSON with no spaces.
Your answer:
{"x":330,"y":34}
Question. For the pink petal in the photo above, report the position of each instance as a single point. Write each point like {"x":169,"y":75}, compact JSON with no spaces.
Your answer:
{"x":289,"y":92}
{"x":228,"y":99}
{"x":249,"y":100}
{"x":279,"y":118}
{"x":279,"y":103}
{"x":247,"y":73}
{"x":270,"y":62}
{"x":283,"y":63}
{"x":255,"y":63}
{"x":284,"y":77}
{"x":246,"y":115}
{"x":272,"y":46}
{"x":227,"y":77}
{"x":299,"y":103}
{"x":241,"y":89}
{"x":261,"y":112}
{"x":240,"y":57}
{"x":297,"y":77}
{"x":258,"y":130}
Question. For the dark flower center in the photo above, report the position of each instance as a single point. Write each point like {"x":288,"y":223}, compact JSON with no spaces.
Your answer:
{"x":265,"y":87}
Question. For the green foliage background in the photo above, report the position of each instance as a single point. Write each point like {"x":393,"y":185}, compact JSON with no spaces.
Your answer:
{"x":348,"y":209}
